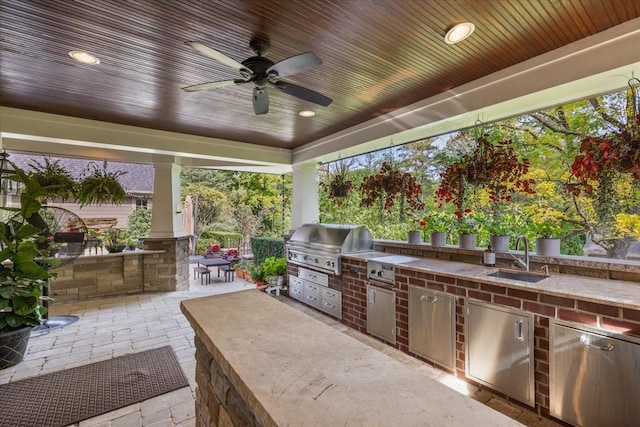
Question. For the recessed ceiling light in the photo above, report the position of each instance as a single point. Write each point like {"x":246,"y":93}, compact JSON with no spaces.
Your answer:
{"x":459,"y":32}
{"x":307,"y":113}
{"x":84,"y":57}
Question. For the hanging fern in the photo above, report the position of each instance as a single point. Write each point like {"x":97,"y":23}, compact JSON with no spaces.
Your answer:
{"x":101,"y":186}
{"x":55,"y":179}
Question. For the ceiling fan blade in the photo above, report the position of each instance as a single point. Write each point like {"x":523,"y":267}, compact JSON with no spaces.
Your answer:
{"x":303,"y":93}
{"x":212,"y":85}
{"x":294,"y":65}
{"x":260,"y":100}
{"x":218,"y":56}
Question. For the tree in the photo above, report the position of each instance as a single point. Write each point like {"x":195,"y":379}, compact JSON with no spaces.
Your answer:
{"x":604,"y":200}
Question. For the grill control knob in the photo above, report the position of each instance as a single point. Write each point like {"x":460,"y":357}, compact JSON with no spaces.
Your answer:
{"x":373,"y":272}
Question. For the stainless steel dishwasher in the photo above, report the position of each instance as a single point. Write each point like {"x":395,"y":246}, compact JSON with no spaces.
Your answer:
{"x":432,"y":325}
{"x":594,"y":377}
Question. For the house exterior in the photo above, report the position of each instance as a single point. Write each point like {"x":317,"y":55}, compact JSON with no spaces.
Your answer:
{"x":137,"y":182}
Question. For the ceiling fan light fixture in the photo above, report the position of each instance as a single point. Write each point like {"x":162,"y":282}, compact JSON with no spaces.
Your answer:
{"x":84,"y":57}
{"x":459,"y":32}
{"x":307,"y":113}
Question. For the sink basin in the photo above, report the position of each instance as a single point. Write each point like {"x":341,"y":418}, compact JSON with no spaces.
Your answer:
{"x":523,"y":276}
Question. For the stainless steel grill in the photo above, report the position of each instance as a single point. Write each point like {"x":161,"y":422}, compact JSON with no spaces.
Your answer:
{"x":321,"y":246}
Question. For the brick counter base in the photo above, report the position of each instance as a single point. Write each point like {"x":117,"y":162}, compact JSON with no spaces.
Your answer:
{"x":353,"y":283}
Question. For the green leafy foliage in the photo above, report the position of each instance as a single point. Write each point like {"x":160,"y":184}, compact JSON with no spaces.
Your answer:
{"x":100,"y":186}
{"x":273,"y":266}
{"x":22,"y":275}
{"x":265,"y":247}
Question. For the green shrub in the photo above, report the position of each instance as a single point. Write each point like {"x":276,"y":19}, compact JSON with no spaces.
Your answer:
{"x":265,"y":247}
{"x":139,"y":223}
{"x":223,"y":238}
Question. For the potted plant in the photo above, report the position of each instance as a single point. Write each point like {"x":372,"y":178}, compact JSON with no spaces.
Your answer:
{"x":99,"y":185}
{"x":467,"y":227}
{"x":212,"y":251}
{"x":493,"y":166}
{"x":57,"y":181}
{"x":258,"y":276}
{"x":243,"y":270}
{"x":389,"y":185}
{"x":548,"y":226}
{"x":436,"y":225}
{"x":274,"y":270}
{"x":548,"y":238}
{"x":115,"y":239}
{"x":232,"y":256}
{"x":337,"y":185}
{"x":23,"y":273}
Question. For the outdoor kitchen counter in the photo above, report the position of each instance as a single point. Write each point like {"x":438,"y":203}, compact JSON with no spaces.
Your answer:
{"x":261,"y":362}
{"x":619,"y":293}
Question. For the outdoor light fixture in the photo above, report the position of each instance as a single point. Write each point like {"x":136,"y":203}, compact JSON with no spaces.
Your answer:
{"x":84,"y":57}
{"x":307,"y":113}
{"x":6,"y":170}
{"x":459,"y":32}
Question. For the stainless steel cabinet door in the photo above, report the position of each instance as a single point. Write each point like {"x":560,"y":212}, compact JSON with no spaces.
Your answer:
{"x":595,"y":379}
{"x":432,"y":326}
{"x":381,"y":313}
{"x":499,"y":349}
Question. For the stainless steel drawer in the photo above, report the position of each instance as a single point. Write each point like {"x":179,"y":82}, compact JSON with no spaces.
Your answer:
{"x":312,"y":294}
{"x":330,"y":295}
{"x":296,"y":288}
{"x":314,"y":276}
{"x":332,"y":308}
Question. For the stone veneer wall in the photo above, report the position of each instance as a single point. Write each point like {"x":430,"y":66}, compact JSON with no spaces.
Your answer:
{"x":218,"y":402}
{"x":353,"y":288}
{"x":171,"y":273}
{"x":162,"y":267}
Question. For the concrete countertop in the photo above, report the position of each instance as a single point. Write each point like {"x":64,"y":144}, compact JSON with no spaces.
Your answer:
{"x":618,"y":293}
{"x":305,"y":373}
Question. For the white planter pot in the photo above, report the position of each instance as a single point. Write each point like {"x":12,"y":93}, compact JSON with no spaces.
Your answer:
{"x":499,"y":243}
{"x":414,"y":237}
{"x":547,"y":247}
{"x":438,"y":239}
{"x":467,"y":241}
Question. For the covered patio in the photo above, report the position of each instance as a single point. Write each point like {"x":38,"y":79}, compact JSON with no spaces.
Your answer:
{"x":111,"y":327}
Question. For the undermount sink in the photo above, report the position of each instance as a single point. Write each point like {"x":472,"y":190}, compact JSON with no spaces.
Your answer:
{"x":523,"y":276}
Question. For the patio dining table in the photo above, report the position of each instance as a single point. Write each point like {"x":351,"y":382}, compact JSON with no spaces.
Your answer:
{"x":221,"y":263}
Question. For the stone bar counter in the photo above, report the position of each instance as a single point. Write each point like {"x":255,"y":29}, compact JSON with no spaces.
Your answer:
{"x":260,"y":362}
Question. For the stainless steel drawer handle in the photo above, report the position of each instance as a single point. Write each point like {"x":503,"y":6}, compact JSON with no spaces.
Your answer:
{"x":328,"y":304}
{"x":331,"y":294}
{"x":429,"y":299}
{"x":584,"y":340}
{"x":518,"y":330}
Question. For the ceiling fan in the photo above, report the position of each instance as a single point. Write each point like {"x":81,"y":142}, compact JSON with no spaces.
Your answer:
{"x":261,"y":71}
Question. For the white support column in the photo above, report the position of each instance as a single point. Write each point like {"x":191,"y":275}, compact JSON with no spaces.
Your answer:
{"x":166,"y":220}
{"x":304,"y":206}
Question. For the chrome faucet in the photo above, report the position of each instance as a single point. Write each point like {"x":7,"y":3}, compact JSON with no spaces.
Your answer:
{"x":520,"y":263}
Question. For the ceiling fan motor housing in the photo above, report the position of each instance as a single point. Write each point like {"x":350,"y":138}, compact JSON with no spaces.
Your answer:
{"x":259,"y":66}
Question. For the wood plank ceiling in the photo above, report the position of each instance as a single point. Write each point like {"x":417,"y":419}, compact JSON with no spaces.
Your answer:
{"x":377,"y":56}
